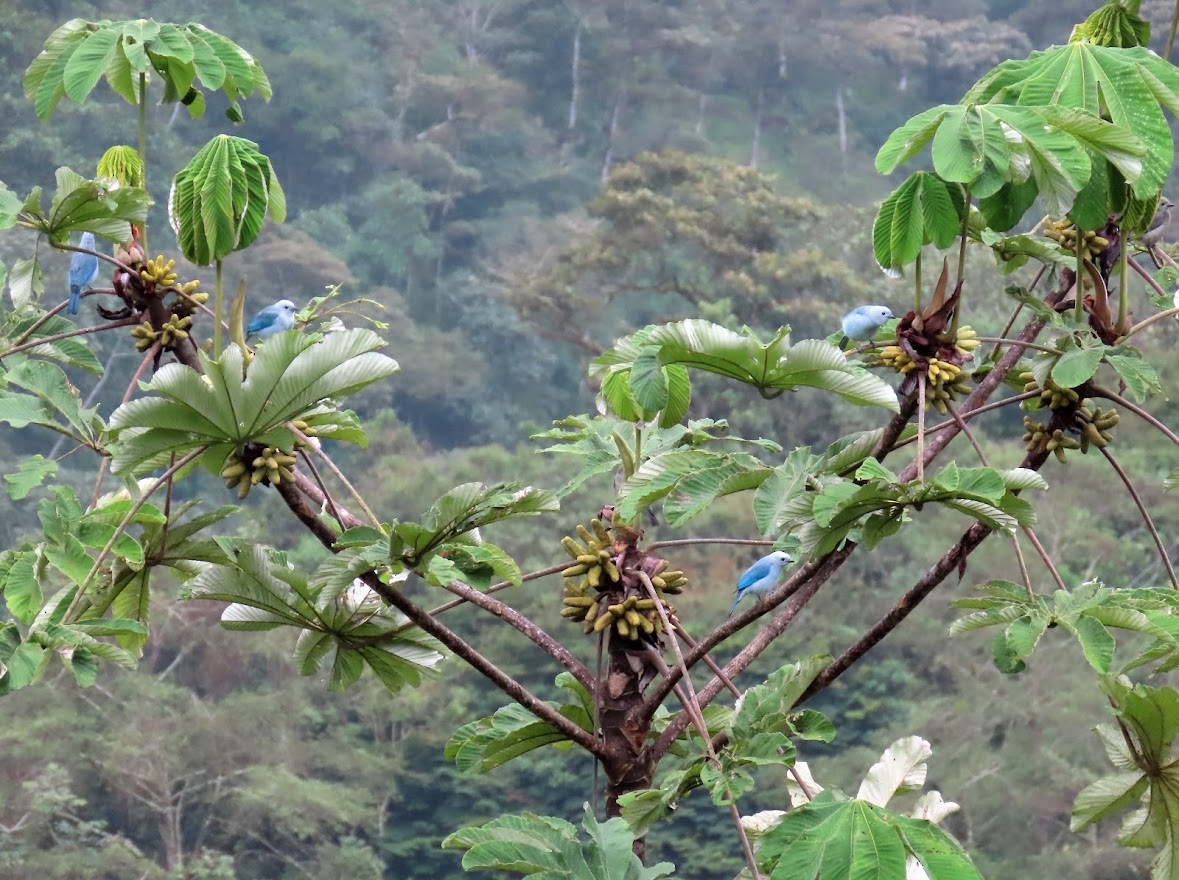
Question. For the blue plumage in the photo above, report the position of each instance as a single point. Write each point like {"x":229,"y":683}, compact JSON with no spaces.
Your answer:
{"x":83,"y":272}
{"x":272,"y":319}
{"x":862,"y":322}
{"x":761,"y":577}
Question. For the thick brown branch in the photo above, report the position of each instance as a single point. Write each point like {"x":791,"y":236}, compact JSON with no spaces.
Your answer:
{"x":902,"y":609}
{"x":820,"y":572}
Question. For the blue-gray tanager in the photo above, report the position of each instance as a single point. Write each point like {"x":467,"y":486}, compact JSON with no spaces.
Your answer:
{"x":83,"y":272}
{"x":862,"y":322}
{"x":272,"y":319}
{"x":761,"y":577}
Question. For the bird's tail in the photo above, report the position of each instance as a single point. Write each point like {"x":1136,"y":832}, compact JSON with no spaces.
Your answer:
{"x":75,"y":300}
{"x":736,"y":602}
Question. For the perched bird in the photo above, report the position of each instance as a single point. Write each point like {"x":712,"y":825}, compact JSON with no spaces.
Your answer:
{"x":862,"y":322}
{"x":272,"y":319}
{"x":761,"y":577}
{"x":1158,"y":223}
{"x":83,"y":271}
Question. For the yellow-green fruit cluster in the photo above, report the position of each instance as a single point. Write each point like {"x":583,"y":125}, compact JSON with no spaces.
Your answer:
{"x":158,"y":272}
{"x":941,"y":396}
{"x":631,"y":617}
{"x":305,"y":429}
{"x":1065,"y":232}
{"x":273,"y":465}
{"x":668,"y":581}
{"x":1039,"y":439}
{"x":896,"y":357}
{"x":145,"y":335}
{"x":592,"y":559}
{"x":1052,"y":394}
{"x":175,"y":329}
{"x":966,"y":341}
{"x":190,"y":297}
{"x":1095,"y":425}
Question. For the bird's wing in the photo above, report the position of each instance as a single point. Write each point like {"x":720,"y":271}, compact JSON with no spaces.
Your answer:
{"x":262,"y":320}
{"x":82,"y":268}
{"x":755,"y":573}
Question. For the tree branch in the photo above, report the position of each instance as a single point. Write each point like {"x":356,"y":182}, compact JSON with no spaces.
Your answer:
{"x":297,"y":502}
{"x":527,"y":628}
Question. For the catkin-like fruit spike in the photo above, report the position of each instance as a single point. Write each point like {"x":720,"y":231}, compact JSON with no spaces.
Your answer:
{"x":633,"y":617}
{"x":600,"y":530}
{"x":585,"y":535}
{"x":575,"y":570}
{"x":578,"y":601}
{"x":571,"y":613}
{"x":594,"y":576}
{"x":603,"y":621}
{"x":589,"y":560}
{"x":591,"y":613}
{"x":624,"y":629}
{"x":571,"y":547}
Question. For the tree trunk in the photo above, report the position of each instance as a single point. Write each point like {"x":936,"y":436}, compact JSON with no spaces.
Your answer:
{"x":625,"y":727}
{"x":575,"y":76}
{"x":755,"y":148}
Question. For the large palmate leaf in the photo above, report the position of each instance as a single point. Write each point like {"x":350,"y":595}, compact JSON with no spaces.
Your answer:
{"x":1141,"y":746}
{"x":484,"y":744}
{"x":37,"y":393}
{"x":804,"y":496}
{"x":103,"y":206}
{"x":1087,"y":612}
{"x":693,"y":478}
{"x":100,"y":206}
{"x":832,"y":836}
{"x":989,"y":146}
{"x":772,"y":367}
{"x":71,"y":352}
{"x":292,"y":377}
{"x":1127,"y":84}
{"x":219,"y":201}
{"x":451,"y":520}
{"x":551,"y":849}
{"x":184,"y":56}
{"x":342,"y":632}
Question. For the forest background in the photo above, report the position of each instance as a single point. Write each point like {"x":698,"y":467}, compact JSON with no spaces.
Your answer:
{"x":445,"y":184}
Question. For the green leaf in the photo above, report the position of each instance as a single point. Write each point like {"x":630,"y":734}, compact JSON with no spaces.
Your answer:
{"x":1127,"y":85}
{"x":289,"y":379}
{"x":826,"y":838}
{"x":909,"y":140}
{"x":785,"y":498}
{"x":775,"y":366}
{"x":1096,"y":642}
{"x":32,"y":473}
{"x":919,"y":212}
{"x":1136,"y":372}
{"x":88,"y":63}
{"x":551,"y":848}
{"x":20,"y":584}
{"x":1077,"y":365}
{"x":220,"y":199}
